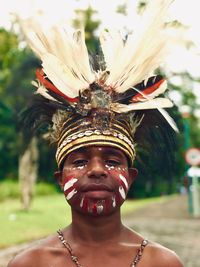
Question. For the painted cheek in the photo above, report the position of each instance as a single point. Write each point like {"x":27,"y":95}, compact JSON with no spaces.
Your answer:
{"x":123,"y":189}
{"x":84,"y":205}
{"x":113,"y":201}
{"x":122,"y":182}
{"x":69,"y":187}
{"x":118,"y":198}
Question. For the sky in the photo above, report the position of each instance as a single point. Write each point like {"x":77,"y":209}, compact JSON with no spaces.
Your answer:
{"x":187,"y":12}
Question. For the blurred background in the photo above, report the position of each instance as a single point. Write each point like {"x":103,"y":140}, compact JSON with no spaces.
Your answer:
{"x":29,"y":192}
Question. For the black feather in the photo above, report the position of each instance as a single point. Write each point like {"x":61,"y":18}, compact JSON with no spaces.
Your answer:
{"x":155,"y":136}
{"x":37,"y":117}
{"x":125,"y":98}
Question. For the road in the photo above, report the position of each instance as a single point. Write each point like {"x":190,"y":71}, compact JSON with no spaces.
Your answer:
{"x":167,"y":223}
{"x":170,"y":225}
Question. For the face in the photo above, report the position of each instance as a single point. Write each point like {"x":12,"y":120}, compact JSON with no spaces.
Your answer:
{"x":96,"y":180}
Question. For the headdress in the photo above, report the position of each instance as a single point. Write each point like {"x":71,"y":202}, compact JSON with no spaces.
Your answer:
{"x":91,"y":100}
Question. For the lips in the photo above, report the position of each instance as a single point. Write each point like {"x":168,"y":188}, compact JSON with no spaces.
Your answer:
{"x":95,"y":187}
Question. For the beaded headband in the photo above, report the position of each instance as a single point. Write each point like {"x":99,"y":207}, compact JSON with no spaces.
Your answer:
{"x":78,"y":132}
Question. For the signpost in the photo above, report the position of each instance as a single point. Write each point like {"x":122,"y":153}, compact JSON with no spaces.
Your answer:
{"x":192,"y":157}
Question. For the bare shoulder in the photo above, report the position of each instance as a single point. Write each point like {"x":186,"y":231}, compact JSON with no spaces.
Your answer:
{"x":29,"y":257}
{"x":161,"y":256}
{"x":37,"y":255}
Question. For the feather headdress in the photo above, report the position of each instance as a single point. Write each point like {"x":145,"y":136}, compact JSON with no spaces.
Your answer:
{"x":69,"y":81}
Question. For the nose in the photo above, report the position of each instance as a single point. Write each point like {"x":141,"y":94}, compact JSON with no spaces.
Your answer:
{"x":97,"y":169}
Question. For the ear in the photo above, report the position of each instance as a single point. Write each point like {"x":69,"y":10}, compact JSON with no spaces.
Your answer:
{"x":133,"y":172}
{"x":58,"y":176}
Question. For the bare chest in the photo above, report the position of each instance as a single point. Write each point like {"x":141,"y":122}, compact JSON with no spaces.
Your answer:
{"x":90,"y":257}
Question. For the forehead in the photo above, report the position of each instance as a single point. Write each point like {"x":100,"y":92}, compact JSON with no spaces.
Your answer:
{"x":98,"y":150}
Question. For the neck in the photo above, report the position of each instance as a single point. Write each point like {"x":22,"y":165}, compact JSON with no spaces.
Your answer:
{"x":87,"y":228}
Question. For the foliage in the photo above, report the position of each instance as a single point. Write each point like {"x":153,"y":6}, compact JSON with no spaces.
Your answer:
{"x":15,"y":93}
{"x":11,"y":189}
{"x":86,"y":18}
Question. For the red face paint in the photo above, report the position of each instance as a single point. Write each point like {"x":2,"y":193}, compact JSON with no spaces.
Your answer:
{"x":118,"y":199}
{"x":85,"y":205}
{"x":95,"y":201}
{"x":94,"y":208}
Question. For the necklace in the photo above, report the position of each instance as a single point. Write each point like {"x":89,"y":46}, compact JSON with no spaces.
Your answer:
{"x":76,"y":261}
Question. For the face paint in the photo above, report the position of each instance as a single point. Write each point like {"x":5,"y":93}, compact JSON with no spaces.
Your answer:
{"x":122,"y":192}
{"x":91,"y":203}
{"x":69,"y":188}
{"x":123,"y":179}
{"x":81,"y":203}
{"x":123,"y":184}
{"x":110,"y":167}
{"x":71,"y":194}
{"x":99,"y":209}
{"x":85,"y":204}
{"x":81,"y":167}
{"x":70,"y":183}
{"x":94,"y":208}
{"x":113,"y":201}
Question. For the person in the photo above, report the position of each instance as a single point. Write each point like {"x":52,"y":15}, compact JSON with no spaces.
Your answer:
{"x":92,"y":178}
{"x":93,"y":111}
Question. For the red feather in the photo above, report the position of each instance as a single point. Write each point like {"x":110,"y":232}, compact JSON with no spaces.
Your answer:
{"x":147,"y":91}
{"x":40,"y":75}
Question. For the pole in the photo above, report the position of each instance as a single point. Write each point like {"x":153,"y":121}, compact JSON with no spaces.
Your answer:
{"x":187,"y":146}
{"x":195,"y":197}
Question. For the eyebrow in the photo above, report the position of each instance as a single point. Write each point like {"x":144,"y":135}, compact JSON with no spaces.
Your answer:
{"x":107,"y":151}
{"x":117,"y":153}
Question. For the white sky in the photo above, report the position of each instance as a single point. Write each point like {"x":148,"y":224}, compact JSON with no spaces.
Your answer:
{"x":187,"y":12}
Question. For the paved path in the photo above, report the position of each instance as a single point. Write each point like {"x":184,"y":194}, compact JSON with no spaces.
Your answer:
{"x":168,"y":224}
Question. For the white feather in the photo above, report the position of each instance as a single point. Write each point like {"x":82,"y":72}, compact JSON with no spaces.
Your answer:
{"x":158,"y":103}
{"x":143,"y":51}
{"x":43,"y":91}
{"x":162,"y":102}
{"x":111,"y":44}
{"x":64,"y":49}
{"x":61,"y":76}
{"x":159,"y":108}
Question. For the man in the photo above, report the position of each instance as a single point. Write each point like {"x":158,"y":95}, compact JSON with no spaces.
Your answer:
{"x":93,"y":113}
{"x":95,"y":181}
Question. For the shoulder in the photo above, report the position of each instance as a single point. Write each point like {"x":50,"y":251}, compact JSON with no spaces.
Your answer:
{"x":30,"y":257}
{"x":37,"y":255}
{"x":161,"y":256}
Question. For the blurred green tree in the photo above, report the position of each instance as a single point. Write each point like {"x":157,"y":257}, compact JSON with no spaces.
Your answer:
{"x":86,"y":19}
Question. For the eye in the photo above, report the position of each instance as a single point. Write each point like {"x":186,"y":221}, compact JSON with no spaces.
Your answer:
{"x":80,"y":162}
{"x":112,"y":162}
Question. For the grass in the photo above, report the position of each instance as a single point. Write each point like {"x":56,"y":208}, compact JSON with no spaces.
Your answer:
{"x":47,"y":215}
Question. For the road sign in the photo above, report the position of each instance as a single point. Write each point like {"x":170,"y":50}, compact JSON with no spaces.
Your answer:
{"x":192,"y":156}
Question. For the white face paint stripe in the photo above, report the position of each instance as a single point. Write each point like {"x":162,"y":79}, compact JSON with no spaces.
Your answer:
{"x":114,"y":201}
{"x":71,"y":194}
{"x":99,"y":209}
{"x":70,"y":183}
{"x":81,"y":204}
{"x":122,"y":192}
{"x":124,"y":180}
